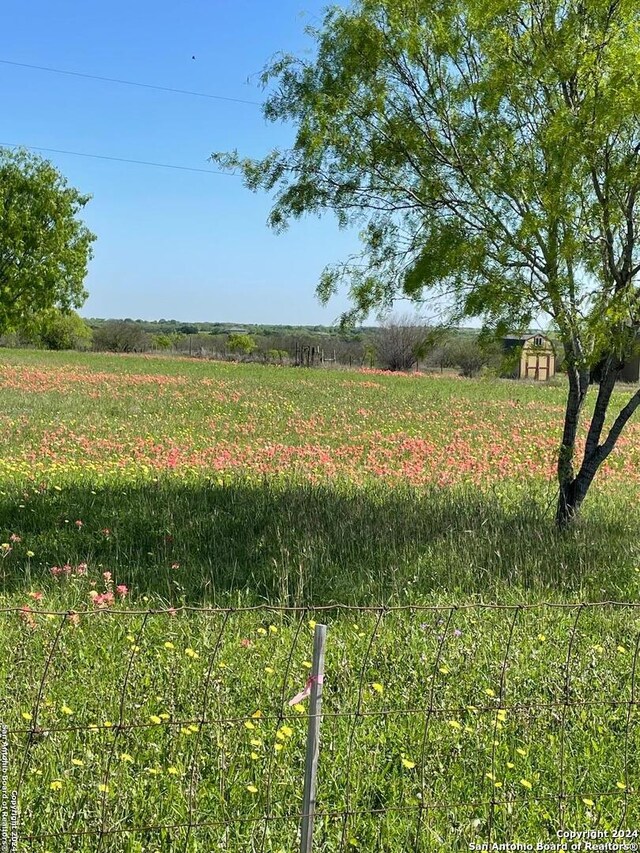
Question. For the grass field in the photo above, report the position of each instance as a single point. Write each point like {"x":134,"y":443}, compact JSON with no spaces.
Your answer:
{"x":192,"y":484}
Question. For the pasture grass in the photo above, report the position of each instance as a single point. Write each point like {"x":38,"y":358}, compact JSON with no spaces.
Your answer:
{"x":445,"y":725}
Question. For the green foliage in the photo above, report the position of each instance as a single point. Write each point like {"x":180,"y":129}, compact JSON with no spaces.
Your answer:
{"x":120,"y":336}
{"x":61,"y":330}
{"x":161,"y":342}
{"x":44,"y":247}
{"x":241,"y":344}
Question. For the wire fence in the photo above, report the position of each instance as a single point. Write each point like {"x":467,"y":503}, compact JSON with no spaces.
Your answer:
{"x":442,"y":727}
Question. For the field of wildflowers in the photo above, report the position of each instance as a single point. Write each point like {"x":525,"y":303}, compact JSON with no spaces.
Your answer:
{"x":130,"y":484}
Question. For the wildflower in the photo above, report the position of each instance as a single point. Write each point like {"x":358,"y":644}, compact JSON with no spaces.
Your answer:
{"x":26,"y":614}
{"x":79,"y":524}
{"x":521,"y":751}
{"x":185,"y":731}
{"x":248,"y":724}
{"x":37,"y":596}
{"x":587,"y":801}
{"x":74,"y":618}
{"x":30,"y":554}
{"x":103,"y":600}
{"x":124,"y":756}
{"x":269,"y":670}
{"x":299,"y":707}
{"x":378,"y":687}
{"x":122,"y":590}
{"x":56,"y":785}
{"x":66,"y":710}
{"x":526,"y":784}
{"x":457,"y":632}
{"x":245,"y":643}
{"x":27,"y":716}
{"x":455,"y":724}
{"x":256,"y":715}
{"x":273,"y":629}
{"x":104,"y":789}
{"x":252,"y":789}
{"x":490,"y":692}
{"x":542,"y":638}
{"x":131,"y":638}
{"x":15,"y":538}
{"x":262,"y":631}
{"x":307,"y":664}
{"x":169,"y":645}
{"x":81,"y":569}
{"x":155,"y":719}
{"x":255,"y":741}
{"x":312,"y":624}
{"x":621,"y":785}
{"x":444,"y":670}
{"x":191,"y":653}
{"x":408,"y":764}
{"x":254,"y":756}
{"x":5,"y":547}
{"x":173,"y":771}
{"x":107,"y":577}
{"x":175,"y":565}
{"x":78,"y":762}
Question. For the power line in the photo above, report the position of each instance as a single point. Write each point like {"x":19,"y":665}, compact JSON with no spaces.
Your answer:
{"x":119,"y":159}
{"x":129,"y":83}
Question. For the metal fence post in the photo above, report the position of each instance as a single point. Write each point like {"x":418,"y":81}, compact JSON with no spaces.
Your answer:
{"x":313,"y":740}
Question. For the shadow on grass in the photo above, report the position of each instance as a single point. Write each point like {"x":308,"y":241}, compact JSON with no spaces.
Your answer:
{"x":207,"y":543}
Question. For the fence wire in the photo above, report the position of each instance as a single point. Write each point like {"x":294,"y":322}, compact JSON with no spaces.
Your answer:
{"x":416,"y":755}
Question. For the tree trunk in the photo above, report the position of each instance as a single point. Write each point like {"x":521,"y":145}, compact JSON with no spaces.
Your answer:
{"x":574,"y":488}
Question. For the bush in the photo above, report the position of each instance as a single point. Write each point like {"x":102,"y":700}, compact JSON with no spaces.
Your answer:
{"x":121,"y":336}
{"x":399,"y":342}
{"x":60,"y":330}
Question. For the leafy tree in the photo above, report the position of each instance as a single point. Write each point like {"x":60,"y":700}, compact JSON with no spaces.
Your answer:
{"x":44,"y":247}
{"x":241,"y":344}
{"x":61,"y":330}
{"x":490,"y":153}
{"x":162,"y":342}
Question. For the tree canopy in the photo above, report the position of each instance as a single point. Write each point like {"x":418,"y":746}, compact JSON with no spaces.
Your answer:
{"x":489,"y":152}
{"x":44,"y":247}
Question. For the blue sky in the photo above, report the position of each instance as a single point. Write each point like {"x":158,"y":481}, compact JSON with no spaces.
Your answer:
{"x":171,"y":244}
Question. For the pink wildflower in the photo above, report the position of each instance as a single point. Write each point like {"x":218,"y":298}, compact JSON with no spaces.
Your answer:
{"x":26,"y":614}
{"x":79,"y":524}
{"x":122,"y":590}
{"x":37,"y":596}
{"x":14,"y":538}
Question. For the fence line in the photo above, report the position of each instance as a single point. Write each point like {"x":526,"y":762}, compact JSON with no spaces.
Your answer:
{"x":413,"y":821}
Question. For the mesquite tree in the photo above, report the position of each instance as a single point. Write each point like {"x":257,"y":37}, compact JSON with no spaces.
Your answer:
{"x":489,"y":151}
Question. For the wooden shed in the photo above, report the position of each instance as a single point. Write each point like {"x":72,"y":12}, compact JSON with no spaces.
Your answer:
{"x":533,"y":357}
